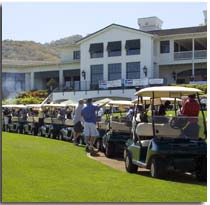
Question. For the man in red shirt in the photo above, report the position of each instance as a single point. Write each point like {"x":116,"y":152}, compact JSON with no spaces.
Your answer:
{"x":191,"y":109}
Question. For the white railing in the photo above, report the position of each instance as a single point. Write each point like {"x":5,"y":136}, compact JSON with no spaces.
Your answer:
{"x":187,"y":55}
{"x":183,"y":55}
{"x":200,"y":54}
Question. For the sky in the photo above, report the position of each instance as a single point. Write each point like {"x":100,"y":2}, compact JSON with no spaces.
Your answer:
{"x":49,"y":21}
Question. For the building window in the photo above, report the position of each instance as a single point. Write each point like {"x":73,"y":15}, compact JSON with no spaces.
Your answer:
{"x":114,"y":71}
{"x":114,"y":48}
{"x":96,"y":50}
{"x":133,"y":70}
{"x":132,"y":47}
{"x":76,"y":55}
{"x":96,"y":75}
{"x":164,"y":46}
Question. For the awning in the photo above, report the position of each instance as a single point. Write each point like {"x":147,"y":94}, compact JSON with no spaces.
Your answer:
{"x":114,"y":46}
{"x":132,"y":44}
{"x":96,"y":47}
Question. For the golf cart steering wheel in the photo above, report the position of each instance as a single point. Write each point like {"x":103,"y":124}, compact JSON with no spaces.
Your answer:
{"x":177,"y":123}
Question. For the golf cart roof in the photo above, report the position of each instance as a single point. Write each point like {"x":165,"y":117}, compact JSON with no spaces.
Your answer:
{"x":14,"y":106}
{"x":158,"y":101}
{"x":145,"y":100}
{"x":54,"y":105}
{"x":121,"y":102}
{"x":34,"y":105}
{"x":167,"y":91}
{"x":69,"y":103}
{"x":102,"y":101}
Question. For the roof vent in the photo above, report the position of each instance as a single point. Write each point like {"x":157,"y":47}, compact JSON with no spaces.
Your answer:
{"x":150,"y":23}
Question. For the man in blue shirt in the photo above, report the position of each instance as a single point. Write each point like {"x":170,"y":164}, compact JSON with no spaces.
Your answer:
{"x":89,"y":116}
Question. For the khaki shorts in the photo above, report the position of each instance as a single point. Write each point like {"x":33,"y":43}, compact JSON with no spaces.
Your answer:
{"x":90,"y":129}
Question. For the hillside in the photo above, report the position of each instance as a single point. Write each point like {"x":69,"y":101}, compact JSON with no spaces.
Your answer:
{"x":32,"y":51}
{"x":68,"y":41}
{"x":27,"y":50}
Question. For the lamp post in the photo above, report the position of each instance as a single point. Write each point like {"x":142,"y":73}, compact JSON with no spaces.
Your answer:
{"x":145,"y":71}
{"x":84,"y":75}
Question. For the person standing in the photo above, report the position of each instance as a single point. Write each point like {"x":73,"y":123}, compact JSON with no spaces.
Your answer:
{"x":78,"y":128}
{"x":90,"y":130}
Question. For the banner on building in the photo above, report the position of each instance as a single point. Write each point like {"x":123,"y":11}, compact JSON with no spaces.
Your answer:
{"x":114,"y":83}
{"x":128,"y":82}
{"x":156,"y":81}
{"x":102,"y":84}
{"x":136,"y":82}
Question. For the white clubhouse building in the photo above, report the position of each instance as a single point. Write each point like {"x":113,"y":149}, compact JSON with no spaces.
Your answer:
{"x":115,"y":60}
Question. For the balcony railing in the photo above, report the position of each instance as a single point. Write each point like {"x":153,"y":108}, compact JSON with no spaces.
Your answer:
{"x":187,"y":55}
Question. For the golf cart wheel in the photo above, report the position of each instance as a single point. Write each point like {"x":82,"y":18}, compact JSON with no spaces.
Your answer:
{"x":24,"y":132}
{"x":157,"y":168}
{"x":129,"y":166}
{"x":39,"y":133}
{"x":33,"y":132}
{"x":51,"y":135}
{"x":20,"y":131}
{"x":201,"y":172}
{"x":109,"y":149}
{"x":60,"y":137}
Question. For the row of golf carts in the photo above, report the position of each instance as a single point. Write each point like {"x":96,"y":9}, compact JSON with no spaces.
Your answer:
{"x":148,"y":140}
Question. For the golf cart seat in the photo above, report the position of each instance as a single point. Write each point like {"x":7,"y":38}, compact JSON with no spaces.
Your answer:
{"x":36,"y":119}
{"x":120,"y":127}
{"x":29,"y":119}
{"x":57,"y":121}
{"x":164,"y":130}
{"x":103,"y":125}
{"x":14,"y":119}
{"x":48,"y":120}
{"x":69,"y":122}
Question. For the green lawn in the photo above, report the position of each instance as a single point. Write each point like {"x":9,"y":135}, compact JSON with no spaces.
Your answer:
{"x":38,"y":169}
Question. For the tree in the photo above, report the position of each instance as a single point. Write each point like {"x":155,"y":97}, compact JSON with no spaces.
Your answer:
{"x":51,"y":84}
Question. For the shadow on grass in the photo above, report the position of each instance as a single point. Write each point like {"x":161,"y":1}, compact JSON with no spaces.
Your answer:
{"x":175,"y":176}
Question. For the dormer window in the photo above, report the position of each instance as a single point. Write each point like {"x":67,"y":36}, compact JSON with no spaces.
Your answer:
{"x":96,"y":50}
{"x":133,"y":47}
{"x":114,"y":48}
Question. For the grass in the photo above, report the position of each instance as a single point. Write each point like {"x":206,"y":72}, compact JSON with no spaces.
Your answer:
{"x":38,"y":169}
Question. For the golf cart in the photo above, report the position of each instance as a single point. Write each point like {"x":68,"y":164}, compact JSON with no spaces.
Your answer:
{"x":119,"y":129}
{"x":32,"y":125}
{"x":18,"y":118}
{"x":168,"y":145}
{"x":52,"y":123}
{"x":66,"y":133}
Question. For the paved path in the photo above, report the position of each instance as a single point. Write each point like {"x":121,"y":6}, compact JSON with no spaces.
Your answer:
{"x":116,"y":163}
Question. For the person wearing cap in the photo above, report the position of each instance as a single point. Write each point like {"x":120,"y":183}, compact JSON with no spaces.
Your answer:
{"x":89,"y":116}
{"x":78,"y":128}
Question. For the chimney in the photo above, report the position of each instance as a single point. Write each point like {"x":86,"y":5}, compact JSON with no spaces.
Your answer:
{"x":150,"y":23}
{"x":205,"y":17}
